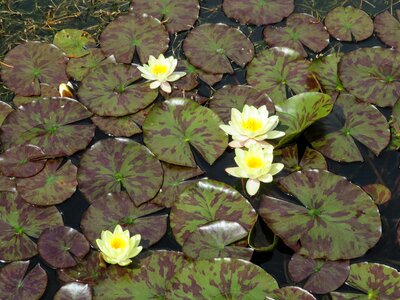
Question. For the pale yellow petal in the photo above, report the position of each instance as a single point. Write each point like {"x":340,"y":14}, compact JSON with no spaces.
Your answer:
{"x":252,"y":186}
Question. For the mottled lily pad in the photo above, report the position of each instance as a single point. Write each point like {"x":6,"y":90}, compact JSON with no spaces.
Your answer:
{"x":325,"y":69}
{"x":48,"y":124}
{"x":130,"y":34}
{"x":379,"y":193}
{"x":115,"y":164}
{"x":18,"y":284}
{"x":33,"y":63}
{"x":346,"y":23}
{"x":74,"y":42}
{"x":46,"y":91}
{"x":74,"y":291}
{"x":210,"y":47}
{"x":7,"y":184}
{"x":5,"y":110}
{"x":387,"y":28}
{"x":349,"y":296}
{"x":338,"y":220}
{"x":118,"y":126}
{"x":175,"y":124}
{"x":292,"y":293}
{"x":395,"y":128}
{"x":79,"y":68}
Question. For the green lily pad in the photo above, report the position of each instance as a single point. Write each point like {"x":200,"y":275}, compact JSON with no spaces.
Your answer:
{"x":177,"y":15}
{"x":174,"y":125}
{"x":192,"y":95}
{"x":395,"y":128}
{"x":292,"y":293}
{"x":387,"y":27}
{"x":33,"y":63}
{"x":110,"y":91}
{"x":276,"y":70}
{"x":114,"y":164}
{"x":207,"y":201}
{"x":349,"y":296}
{"x":74,"y":291}
{"x":5,"y":110}
{"x":258,"y":12}
{"x":372,"y":75}
{"x":74,"y":42}
{"x":301,"y":29}
{"x":334,"y":136}
{"x":117,"y":208}
{"x":210,"y":47}
{"x":378,"y":192}
{"x":48,"y":124}
{"x":346,"y":23}
{"x":130,"y":34}
{"x":338,"y":220}
{"x":118,"y":126}
{"x":18,"y":284}
{"x":79,"y":68}
{"x":53,"y":185}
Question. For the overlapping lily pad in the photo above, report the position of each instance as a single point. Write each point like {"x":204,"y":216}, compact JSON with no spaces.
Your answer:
{"x":210,"y":47}
{"x":5,"y":110}
{"x":292,"y":293}
{"x":74,"y":42}
{"x":46,"y":91}
{"x":175,"y":124}
{"x":112,"y":165}
{"x":387,"y":28}
{"x":348,"y":296}
{"x":79,"y":68}
{"x":395,"y":128}
{"x":379,"y":193}
{"x":33,"y":63}
{"x":74,"y":291}
{"x":337,"y":220}
{"x":325,"y":69}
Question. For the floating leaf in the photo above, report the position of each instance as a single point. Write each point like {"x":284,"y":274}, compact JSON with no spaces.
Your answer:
{"x":395,"y":128}
{"x":211,"y":46}
{"x":118,"y":126}
{"x":74,"y":291}
{"x":46,"y":91}
{"x":261,"y":238}
{"x":74,"y":42}
{"x":87,"y":270}
{"x":292,"y":293}
{"x":5,"y":110}
{"x":7,"y":184}
{"x":387,"y":28}
{"x":175,"y":124}
{"x":348,"y":296}
{"x":379,"y":193}
{"x":325,"y":69}
{"x":79,"y":68}
{"x":338,"y":220}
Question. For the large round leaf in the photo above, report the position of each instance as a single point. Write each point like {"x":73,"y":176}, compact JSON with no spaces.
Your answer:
{"x":337,"y":220}
{"x":74,"y":42}
{"x":33,"y":63}
{"x":211,"y":46}
{"x":74,"y":291}
{"x":387,"y":28}
{"x":292,"y":293}
{"x":46,"y":91}
{"x":207,"y":201}
{"x":79,"y":68}
{"x":325,"y":69}
{"x":48,"y":124}
{"x":115,"y":164}
{"x":175,"y":124}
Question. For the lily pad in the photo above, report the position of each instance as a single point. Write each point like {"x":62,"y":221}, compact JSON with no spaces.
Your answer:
{"x":395,"y":128}
{"x":387,"y":28}
{"x":207,"y":201}
{"x":372,"y":75}
{"x":46,"y":91}
{"x":174,"y":125}
{"x":74,"y":42}
{"x":334,"y":136}
{"x":338,"y":220}
{"x":53,"y":185}
{"x":325,"y":69}
{"x":348,"y":296}
{"x":130,"y":34}
{"x":48,"y":124}
{"x":346,"y":23}
{"x":33,"y":63}
{"x":210,"y":47}
{"x":5,"y":110}
{"x":79,"y":68}
{"x":177,"y":15}
{"x":110,"y":90}
{"x":18,"y":284}
{"x":276,"y":70}
{"x":59,"y":245}
{"x":117,"y":208}
{"x":117,"y":126}
{"x":301,"y":30}
{"x":379,"y":193}
{"x":292,"y":293}
{"x":74,"y":291}
{"x":7,"y":184}
{"x":258,"y":12}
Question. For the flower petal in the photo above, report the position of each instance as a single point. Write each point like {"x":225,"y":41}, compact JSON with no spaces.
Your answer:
{"x":155,"y":84}
{"x":252,"y":186}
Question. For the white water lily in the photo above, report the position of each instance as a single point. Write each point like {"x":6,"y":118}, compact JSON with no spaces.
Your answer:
{"x":161,"y":71}
{"x":252,"y":126}
{"x":256,"y":165}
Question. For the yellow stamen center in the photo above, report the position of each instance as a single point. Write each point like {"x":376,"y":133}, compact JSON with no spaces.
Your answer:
{"x":254,"y":162}
{"x":118,"y":243}
{"x":252,"y":124}
{"x":159,"y":69}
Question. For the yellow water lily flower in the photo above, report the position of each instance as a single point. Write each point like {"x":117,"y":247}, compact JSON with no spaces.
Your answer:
{"x":161,"y":71}
{"x":256,"y":165}
{"x":118,"y":247}
{"x":251,"y":126}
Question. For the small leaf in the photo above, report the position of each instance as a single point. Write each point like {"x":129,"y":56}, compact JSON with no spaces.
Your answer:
{"x":74,"y":42}
{"x":379,"y":193}
{"x":387,"y":28}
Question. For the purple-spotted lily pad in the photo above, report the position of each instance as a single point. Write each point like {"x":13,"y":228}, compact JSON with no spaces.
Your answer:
{"x":395,"y":128}
{"x":74,"y":291}
{"x":258,"y":12}
{"x":325,"y":69}
{"x":130,"y":34}
{"x":48,"y":124}
{"x":53,"y":185}
{"x":292,"y":293}
{"x":387,"y":28}
{"x":321,"y":276}
{"x":379,"y":193}
{"x":59,"y":246}
{"x":346,"y":23}
{"x":118,"y":126}
{"x":337,"y":220}
{"x":221,"y":278}
{"x":208,"y":78}
{"x":22,"y":161}
{"x":372,"y":75}
{"x":46,"y":91}
{"x":207,"y":201}
{"x":301,"y":29}
{"x":177,"y":15}
{"x":175,"y":124}
{"x":74,"y":42}
{"x":18,"y":284}
{"x":19,"y":221}
{"x":110,"y":90}
{"x":79,"y":68}
{"x":236,"y":96}
{"x":31,"y":64}
{"x":334,"y":136}
{"x":115,"y":164}
{"x":210,"y":47}
{"x":5,"y":110}
{"x":350,"y":296}
{"x":117,"y":208}
{"x":278,"y":70}
{"x":214,"y":240}
{"x":87,"y":270}
{"x":7,"y":184}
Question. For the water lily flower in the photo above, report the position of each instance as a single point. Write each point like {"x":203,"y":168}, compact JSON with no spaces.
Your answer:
{"x":118,"y":247}
{"x":66,"y":90}
{"x":251,"y":126}
{"x":161,"y":71}
{"x":256,"y":165}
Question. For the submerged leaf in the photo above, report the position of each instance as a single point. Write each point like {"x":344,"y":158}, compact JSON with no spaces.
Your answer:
{"x":74,"y":42}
